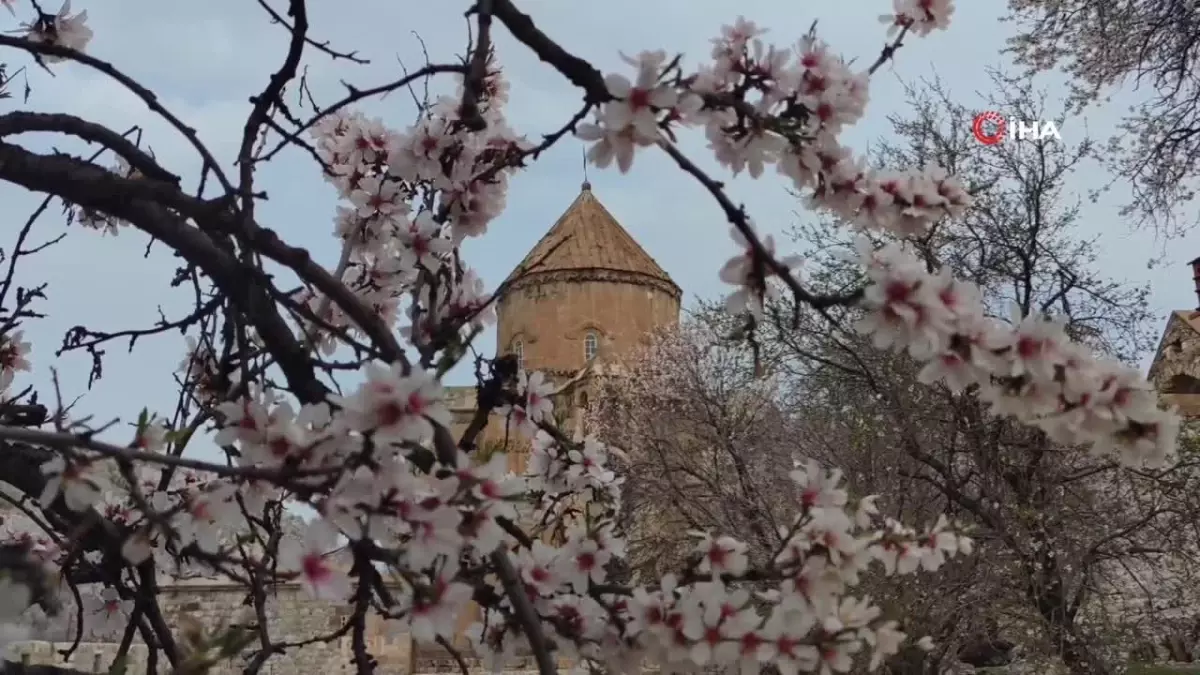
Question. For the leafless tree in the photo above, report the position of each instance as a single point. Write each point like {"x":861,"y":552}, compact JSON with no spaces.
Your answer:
{"x":707,"y":445}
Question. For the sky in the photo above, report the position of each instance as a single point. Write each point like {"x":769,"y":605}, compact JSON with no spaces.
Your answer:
{"x":205,"y":59}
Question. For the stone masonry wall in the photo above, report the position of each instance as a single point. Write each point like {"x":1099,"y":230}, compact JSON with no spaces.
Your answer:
{"x":293,"y":617}
{"x":552,"y":317}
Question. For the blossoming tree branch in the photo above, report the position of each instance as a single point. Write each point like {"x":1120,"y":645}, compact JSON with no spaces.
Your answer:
{"x":411,"y":525}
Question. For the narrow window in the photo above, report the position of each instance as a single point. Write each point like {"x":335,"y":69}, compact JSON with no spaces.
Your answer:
{"x":591,"y":344}
{"x":519,"y":352}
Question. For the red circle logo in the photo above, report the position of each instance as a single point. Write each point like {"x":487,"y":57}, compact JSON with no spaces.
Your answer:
{"x":989,"y":127}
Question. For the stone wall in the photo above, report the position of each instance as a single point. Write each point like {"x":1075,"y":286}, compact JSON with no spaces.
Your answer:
{"x":552,"y":317}
{"x":1176,"y":367}
{"x":293,"y":617}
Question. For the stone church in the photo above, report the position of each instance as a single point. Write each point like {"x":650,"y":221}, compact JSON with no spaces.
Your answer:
{"x":586,"y":294}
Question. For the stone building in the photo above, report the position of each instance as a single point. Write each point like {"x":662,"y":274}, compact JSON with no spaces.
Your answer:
{"x":586,"y":294}
{"x":1175,"y":370}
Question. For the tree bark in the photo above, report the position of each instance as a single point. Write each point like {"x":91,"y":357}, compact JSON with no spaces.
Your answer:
{"x":1077,"y":655}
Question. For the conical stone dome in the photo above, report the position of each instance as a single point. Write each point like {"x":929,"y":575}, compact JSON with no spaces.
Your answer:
{"x":585,"y":238}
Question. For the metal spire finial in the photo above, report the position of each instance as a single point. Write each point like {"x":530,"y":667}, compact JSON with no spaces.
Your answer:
{"x":586,"y":185}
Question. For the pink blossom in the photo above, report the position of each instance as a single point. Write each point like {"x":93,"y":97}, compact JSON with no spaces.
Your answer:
{"x":313,"y":559}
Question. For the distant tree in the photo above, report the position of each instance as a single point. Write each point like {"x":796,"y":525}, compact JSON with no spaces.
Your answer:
{"x":705,"y":446}
{"x":1149,"y":45}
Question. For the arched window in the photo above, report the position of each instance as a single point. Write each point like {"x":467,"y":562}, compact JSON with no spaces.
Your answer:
{"x":591,"y":345}
{"x":519,"y":351}
{"x":1182,"y":384}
